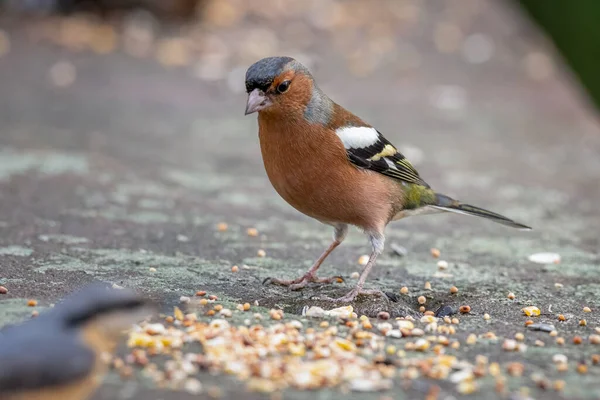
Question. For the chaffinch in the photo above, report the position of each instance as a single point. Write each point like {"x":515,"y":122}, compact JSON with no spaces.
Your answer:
{"x":332,"y":166}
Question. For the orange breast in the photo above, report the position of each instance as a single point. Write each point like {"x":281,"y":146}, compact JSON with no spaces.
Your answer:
{"x":308,"y":167}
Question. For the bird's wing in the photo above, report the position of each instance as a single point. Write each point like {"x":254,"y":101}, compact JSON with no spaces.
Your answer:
{"x":33,"y":358}
{"x":368,"y":148}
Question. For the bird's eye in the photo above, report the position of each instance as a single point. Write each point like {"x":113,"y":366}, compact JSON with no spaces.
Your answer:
{"x":283,"y":86}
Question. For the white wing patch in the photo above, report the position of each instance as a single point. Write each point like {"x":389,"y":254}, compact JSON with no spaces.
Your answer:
{"x":357,"y":137}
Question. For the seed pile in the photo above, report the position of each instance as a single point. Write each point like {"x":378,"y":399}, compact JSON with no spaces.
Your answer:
{"x":277,"y":353}
{"x":334,"y":348}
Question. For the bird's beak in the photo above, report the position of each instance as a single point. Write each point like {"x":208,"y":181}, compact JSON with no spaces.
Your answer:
{"x":257,"y":101}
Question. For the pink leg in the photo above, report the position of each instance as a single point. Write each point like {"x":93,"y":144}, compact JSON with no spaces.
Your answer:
{"x":377,"y":241}
{"x":311,"y":274}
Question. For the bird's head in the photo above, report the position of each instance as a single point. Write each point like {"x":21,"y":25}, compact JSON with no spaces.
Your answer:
{"x":281,"y":85}
{"x":105,"y":312}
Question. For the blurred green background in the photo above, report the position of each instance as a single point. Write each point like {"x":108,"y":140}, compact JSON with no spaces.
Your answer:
{"x":574,"y":27}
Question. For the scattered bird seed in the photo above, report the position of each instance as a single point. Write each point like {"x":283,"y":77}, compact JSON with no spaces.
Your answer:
{"x":587,"y":309}
{"x":226,"y":312}
{"x":184,"y":299}
{"x":519,"y":336}
{"x":531,"y":311}
{"x":422,"y":309}
{"x":464,"y":309}
{"x":486,"y":316}
{"x":562,"y":367}
{"x":559,"y":359}
{"x":152,"y":269}
{"x":235,"y":268}
{"x":453,"y":290}
{"x":422,"y":300}
{"x":582,"y":322}
{"x":32,"y":303}
{"x":261,"y":253}
{"x":561,"y":317}
{"x":222,"y":227}
{"x":383,"y":315}
{"x":594,"y":339}
{"x":404,"y":290}
{"x":560,"y":341}
{"x":442,"y":264}
{"x":427,"y":285}
{"x":511,"y":296}
{"x":559,"y":385}
{"x":252,"y":232}
{"x":192,"y":386}
{"x":3,"y":290}
{"x":577,"y":340}
{"x":354,"y":275}
{"x":515,"y":369}
{"x":435,"y":253}
{"x":509,"y":345}
{"x":545,"y":258}
{"x":340,"y":312}
{"x":363,"y":260}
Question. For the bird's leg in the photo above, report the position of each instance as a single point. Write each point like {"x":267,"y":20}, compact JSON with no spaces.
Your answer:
{"x":377,"y":241}
{"x":311,"y":274}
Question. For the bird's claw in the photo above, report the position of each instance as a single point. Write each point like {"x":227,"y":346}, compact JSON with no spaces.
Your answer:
{"x":303,"y":281}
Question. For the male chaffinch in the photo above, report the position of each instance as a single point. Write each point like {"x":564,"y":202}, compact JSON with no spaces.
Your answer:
{"x":332,"y":166}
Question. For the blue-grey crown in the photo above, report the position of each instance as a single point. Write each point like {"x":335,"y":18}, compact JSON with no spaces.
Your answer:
{"x":261,"y":74}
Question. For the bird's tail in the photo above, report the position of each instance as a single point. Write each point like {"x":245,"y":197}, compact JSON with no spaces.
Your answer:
{"x":446,"y":203}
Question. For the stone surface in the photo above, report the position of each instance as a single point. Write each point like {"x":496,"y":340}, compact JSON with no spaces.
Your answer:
{"x":100,"y":176}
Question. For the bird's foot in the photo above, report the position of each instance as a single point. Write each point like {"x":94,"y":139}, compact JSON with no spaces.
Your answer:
{"x":350,"y":296}
{"x":303,"y":281}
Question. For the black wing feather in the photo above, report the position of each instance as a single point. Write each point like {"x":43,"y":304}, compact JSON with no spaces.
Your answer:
{"x":393,"y":164}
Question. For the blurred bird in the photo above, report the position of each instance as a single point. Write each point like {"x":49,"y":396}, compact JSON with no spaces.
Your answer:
{"x":330,"y":165}
{"x":58,"y":355}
